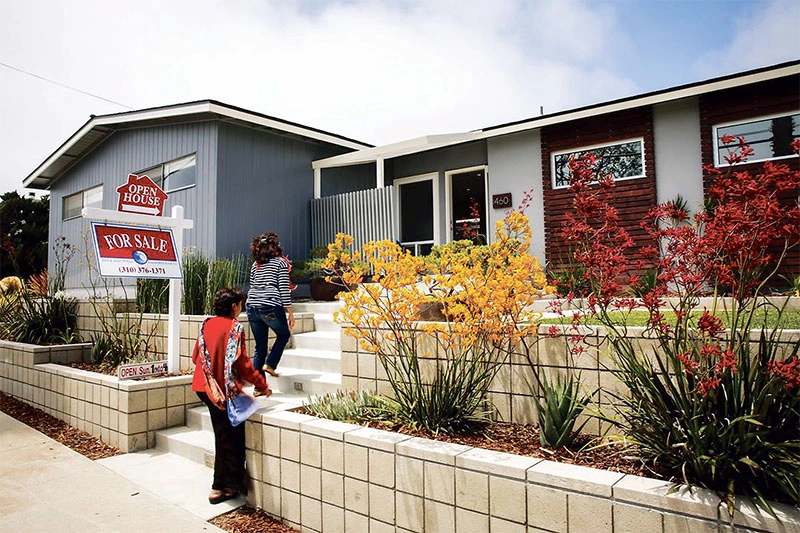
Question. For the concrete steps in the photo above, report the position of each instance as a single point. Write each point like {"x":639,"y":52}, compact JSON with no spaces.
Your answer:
{"x":311,"y":367}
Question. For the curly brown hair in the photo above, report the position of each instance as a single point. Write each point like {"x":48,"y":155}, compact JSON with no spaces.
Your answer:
{"x":265,"y":247}
{"x":225,"y":299}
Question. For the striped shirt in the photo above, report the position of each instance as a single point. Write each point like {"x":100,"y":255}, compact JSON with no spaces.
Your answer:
{"x":269,"y":283}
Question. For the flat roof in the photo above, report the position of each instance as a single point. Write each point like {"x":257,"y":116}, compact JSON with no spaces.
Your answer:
{"x":99,"y":128}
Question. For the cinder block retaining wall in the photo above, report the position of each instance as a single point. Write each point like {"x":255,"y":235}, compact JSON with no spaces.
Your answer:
{"x":89,"y":324}
{"x":325,"y":476}
{"x":509,"y":392}
{"x":124,"y":414}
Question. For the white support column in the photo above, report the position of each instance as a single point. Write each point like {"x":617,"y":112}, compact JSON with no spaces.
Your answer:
{"x":379,"y":173}
{"x":175,"y":294}
{"x":317,"y":183}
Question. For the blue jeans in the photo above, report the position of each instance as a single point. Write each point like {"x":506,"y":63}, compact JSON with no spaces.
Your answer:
{"x":262,"y":319}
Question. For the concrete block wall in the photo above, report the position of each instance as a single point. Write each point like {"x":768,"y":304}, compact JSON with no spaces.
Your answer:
{"x":325,"y":476}
{"x":509,"y":391}
{"x":124,"y":414}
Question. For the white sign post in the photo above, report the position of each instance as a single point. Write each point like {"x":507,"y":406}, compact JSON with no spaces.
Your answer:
{"x":177,"y":223}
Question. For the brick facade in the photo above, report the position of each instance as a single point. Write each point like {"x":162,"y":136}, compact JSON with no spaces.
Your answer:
{"x":767,"y":98}
{"x":633,"y":198}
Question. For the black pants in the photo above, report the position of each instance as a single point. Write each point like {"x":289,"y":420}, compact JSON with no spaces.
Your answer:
{"x":229,"y":457}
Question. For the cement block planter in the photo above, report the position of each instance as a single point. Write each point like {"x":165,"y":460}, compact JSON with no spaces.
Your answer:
{"x":509,"y":391}
{"x":324,"y":476}
{"x":124,"y":414}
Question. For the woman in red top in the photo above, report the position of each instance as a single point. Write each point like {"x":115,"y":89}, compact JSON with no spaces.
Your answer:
{"x":230,"y":476}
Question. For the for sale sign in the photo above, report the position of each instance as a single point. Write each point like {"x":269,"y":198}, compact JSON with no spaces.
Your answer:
{"x":141,"y":195}
{"x":135,"y":252}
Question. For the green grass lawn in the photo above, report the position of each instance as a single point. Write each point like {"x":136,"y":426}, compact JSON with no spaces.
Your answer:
{"x":789,"y":320}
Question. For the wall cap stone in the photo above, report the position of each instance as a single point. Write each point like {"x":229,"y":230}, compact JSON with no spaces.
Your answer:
{"x":494,"y":462}
{"x":431,"y":450}
{"x":574,"y":477}
{"x":331,"y":429}
{"x":376,"y":439}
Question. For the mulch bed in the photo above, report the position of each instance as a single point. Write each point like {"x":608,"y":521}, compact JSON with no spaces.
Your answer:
{"x":56,"y":429}
{"x":519,"y":439}
{"x":247,"y":519}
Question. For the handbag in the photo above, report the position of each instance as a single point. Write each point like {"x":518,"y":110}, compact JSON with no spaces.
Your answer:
{"x":240,"y":407}
{"x":212,"y":388}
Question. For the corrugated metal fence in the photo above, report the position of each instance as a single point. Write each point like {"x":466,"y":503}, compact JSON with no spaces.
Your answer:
{"x":366,"y":215}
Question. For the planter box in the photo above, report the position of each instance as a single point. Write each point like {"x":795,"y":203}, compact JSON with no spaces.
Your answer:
{"x":124,"y":414}
{"x":509,"y":390}
{"x":324,"y":476}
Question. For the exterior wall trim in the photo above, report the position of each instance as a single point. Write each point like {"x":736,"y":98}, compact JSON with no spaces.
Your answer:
{"x":434,"y":177}
{"x":448,"y":197}
{"x":714,"y":137}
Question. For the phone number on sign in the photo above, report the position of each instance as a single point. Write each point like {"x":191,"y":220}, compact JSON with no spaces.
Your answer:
{"x":142,"y":270}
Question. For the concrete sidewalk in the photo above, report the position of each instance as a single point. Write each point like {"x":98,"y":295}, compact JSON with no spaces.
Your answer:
{"x":45,"y":486}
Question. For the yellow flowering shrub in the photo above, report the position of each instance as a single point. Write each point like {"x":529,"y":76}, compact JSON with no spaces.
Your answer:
{"x":440,"y":371}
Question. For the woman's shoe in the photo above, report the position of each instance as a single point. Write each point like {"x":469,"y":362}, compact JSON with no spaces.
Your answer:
{"x":219,"y":496}
{"x":265,"y":392}
{"x":271,"y":371}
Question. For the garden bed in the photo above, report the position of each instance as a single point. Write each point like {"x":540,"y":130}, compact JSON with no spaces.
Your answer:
{"x":321,"y":475}
{"x":123,"y":414}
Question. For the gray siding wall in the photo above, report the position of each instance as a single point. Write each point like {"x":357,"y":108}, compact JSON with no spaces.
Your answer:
{"x":439,"y":161}
{"x":265,"y":183}
{"x":340,"y":180}
{"x":130,"y":151}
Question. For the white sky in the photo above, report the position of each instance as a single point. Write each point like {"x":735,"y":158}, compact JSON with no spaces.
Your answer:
{"x":375,"y":71}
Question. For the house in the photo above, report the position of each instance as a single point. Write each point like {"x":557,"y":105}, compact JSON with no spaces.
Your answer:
{"x":237,"y":173}
{"x":654,"y":144}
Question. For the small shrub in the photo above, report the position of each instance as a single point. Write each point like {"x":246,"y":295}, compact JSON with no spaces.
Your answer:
{"x":440,"y":372}
{"x":718,"y":406}
{"x":49,"y":320}
{"x":352,"y":406}
{"x":203,"y":277}
{"x":195,"y":283}
{"x":558,"y":409}
{"x":152,"y":295}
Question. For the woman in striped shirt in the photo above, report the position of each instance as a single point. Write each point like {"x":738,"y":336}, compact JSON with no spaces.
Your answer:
{"x":269,"y":301}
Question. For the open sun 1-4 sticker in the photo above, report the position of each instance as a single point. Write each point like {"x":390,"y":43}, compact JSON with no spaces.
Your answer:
{"x":135,"y":252}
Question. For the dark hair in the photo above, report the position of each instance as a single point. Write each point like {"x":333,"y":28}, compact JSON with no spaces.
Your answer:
{"x":225,"y":299}
{"x":265,"y":247}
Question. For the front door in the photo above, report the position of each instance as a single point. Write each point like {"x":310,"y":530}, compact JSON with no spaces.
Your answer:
{"x":468,"y":206}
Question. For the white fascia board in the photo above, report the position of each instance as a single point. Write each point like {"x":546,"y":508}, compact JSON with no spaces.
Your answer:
{"x":112,"y":119}
{"x":644,"y":101}
{"x":388,"y":151}
{"x":282,"y":126}
{"x":134,"y":116}
{"x":33,"y":176}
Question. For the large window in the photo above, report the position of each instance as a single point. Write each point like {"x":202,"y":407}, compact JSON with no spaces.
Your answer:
{"x":623,"y":160}
{"x":74,"y":203}
{"x":769,"y":137}
{"x":417,"y":197}
{"x":173,"y":175}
